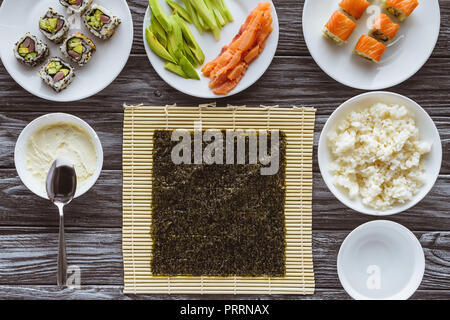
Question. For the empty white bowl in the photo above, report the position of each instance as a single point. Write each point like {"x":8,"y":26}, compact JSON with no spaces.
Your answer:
{"x":381,"y":260}
{"x":428,"y":132}
{"x":20,"y":152}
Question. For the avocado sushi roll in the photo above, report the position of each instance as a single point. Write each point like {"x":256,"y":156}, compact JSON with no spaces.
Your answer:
{"x":78,"y":48}
{"x":76,"y":6}
{"x":101,"y":22}
{"x":57,"y":74}
{"x":30,"y":50}
{"x":54,"y":26}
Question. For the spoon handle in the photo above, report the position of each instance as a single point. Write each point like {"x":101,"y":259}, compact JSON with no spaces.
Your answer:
{"x":62,"y":259}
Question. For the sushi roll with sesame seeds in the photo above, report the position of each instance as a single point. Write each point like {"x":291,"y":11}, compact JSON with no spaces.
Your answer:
{"x":101,"y":22}
{"x":54,"y":26}
{"x":57,"y":74}
{"x":76,"y":6}
{"x":30,"y":50}
{"x":78,"y":48}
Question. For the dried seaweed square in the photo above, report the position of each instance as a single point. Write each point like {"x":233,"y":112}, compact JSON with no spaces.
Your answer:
{"x":219,"y":219}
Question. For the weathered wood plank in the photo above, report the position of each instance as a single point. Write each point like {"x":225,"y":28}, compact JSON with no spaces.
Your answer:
{"x":289,"y":81}
{"x":29,"y":256}
{"x":109,"y":129}
{"x":115,"y":293}
{"x":101,"y":207}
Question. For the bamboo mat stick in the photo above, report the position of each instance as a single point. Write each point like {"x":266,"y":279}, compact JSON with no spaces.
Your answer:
{"x":139,"y":125}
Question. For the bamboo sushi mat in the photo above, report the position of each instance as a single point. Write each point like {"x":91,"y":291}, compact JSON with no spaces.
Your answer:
{"x":140,"y":122}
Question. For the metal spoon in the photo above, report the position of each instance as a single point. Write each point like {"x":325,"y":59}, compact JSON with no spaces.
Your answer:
{"x":61,"y":187}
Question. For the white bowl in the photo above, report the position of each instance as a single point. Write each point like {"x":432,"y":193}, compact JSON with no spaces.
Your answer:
{"x":381,"y":260}
{"x":428,"y":133}
{"x":20,"y":152}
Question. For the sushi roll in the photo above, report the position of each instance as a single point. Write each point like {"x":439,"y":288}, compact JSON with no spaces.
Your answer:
{"x":339,"y":27}
{"x":401,"y":9}
{"x":384,"y":28}
{"x":355,"y":8}
{"x":78,"y":48}
{"x":30,"y":50}
{"x":369,"y":48}
{"x":54,"y":26}
{"x":101,"y":22}
{"x":76,"y":6}
{"x":57,"y":74}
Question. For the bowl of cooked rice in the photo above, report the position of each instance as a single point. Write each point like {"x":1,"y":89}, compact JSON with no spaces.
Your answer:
{"x":380,"y":153}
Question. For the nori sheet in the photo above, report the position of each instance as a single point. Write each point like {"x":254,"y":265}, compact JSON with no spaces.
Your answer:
{"x":216,"y":220}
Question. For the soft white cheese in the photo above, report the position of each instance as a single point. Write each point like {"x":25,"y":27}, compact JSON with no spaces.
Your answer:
{"x":378,"y":155}
{"x":61,"y":140}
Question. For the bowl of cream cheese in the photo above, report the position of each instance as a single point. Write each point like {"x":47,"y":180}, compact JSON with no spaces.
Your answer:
{"x":58,"y":135}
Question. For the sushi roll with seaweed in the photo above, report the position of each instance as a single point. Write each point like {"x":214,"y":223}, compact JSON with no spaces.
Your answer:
{"x":57,"y":74}
{"x":401,"y":9}
{"x":339,"y":28}
{"x":355,"y":8}
{"x":54,"y":26}
{"x":76,"y":6}
{"x":384,"y":28}
{"x":78,"y":48}
{"x":30,"y":50}
{"x":369,"y":48}
{"x":101,"y":22}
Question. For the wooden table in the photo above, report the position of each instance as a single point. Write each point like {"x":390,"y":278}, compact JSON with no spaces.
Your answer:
{"x":29,"y":226}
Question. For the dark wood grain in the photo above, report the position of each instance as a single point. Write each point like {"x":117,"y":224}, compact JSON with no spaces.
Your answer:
{"x":31,"y":253}
{"x":289,"y":81}
{"x":109,"y":128}
{"x":28,"y":225}
{"x":102,"y":292}
{"x":101,"y":207}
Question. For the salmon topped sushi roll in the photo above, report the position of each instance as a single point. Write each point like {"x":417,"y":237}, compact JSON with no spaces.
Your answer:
{"x":355,"y":8}
{"x":401,"y":9}
{"x":339,"y":27}
{"x":384,"y":28}
{"x":369,"y":48}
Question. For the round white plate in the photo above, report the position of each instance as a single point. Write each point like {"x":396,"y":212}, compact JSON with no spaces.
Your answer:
{"x":381,"y":260}
{"x":20,"y":152}
{"x":19,"y":17}
{"x":240,"y":9}
{"x":427,"y":130}
{"x":412,"y":47}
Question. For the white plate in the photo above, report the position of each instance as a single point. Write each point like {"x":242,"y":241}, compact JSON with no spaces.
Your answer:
{"x":381,"y":260}
{"x":240,"y":9}
{"x":412,"y":47}
{"x":20,"y":152}
{"x":19,"y":17}
{"x":427,"y":130}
